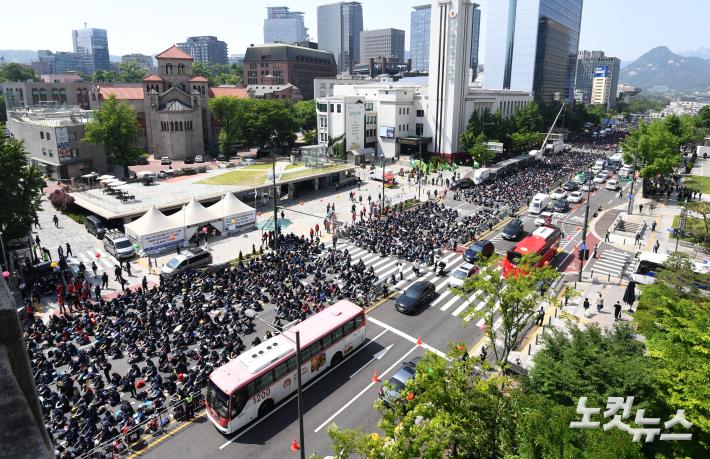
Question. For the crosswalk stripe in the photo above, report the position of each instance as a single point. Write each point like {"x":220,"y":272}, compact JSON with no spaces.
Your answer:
{"x":451,"y":302}
{"x":381,"y":261}
{"x":381,"y":269}
{"x":83,"y":258}
{"x":460,"y":309}
{"x":441,"y":297}
{"x":386,"y":274}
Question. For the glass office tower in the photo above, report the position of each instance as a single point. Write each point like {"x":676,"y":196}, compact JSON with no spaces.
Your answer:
{"x":420,"y":28}
{"x":419,"y":37}
{"x":532,"y":46}
{"x":339,"y":27}
{"x":92,"y":45}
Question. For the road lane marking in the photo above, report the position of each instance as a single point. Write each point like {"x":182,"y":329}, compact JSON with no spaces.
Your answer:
{"x":376,"y":356}
{"x":364,"y":390}
{"x":295,"y":394}
{"x":451,"y":302}
{"x":406,"y":336}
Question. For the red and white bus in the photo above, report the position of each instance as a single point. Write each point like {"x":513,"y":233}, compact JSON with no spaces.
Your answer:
{"x":543,"y":242}
{"x":249,"y":386}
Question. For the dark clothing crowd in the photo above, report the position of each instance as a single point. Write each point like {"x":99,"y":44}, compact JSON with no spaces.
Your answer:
{"x":158,"y":346}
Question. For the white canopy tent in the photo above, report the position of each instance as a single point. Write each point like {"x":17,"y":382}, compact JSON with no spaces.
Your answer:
{"x":232,"y":213}
{"x":155,"y":232}
{"x":193,"y":215}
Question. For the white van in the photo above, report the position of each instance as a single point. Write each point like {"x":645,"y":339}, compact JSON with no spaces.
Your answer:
{"x":600,"y":164}
{"x":481,"y":175}
{"x":539,"y":203}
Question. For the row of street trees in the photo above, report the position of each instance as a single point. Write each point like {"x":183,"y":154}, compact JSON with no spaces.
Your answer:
{"x":521,"y":131}
{"x":258,"y":122}
{"x":449,"y":411}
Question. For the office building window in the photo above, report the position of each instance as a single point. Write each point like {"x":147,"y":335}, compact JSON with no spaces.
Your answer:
{"x":338,"y":107}
{"x":41,"y":135}
{"x":51,"y":155}
{"x":49,"y":137}
{"x":44,"y":151}
{"x":419,"y":129}
{"x":420,"y":113}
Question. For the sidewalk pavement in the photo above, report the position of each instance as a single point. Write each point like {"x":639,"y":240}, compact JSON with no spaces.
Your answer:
{"x":562,"y":317}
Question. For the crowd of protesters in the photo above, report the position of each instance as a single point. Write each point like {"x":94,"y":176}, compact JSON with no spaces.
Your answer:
{"x":157,"y":346}
{"x":515,"y":188}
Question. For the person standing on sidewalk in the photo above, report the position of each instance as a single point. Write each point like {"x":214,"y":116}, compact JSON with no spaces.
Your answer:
{"x":656,"y":246}
{"x":540,"y":317}
{"x":144,"y":283}
{"x":94,"y":268}
{"x":400,"y":269}
{"x":68,"y":251}
{"x":97,"y":291}
{"x":637,"y":239}
{"x":586,"y":307}
{"x":55,"y":219}
{"x":104,"y":280}
{"x":653,"y":226}
{"x":640,"y":208}
{"x":617,"y":311}
{"x":606,"y":236}
{"x":600,"y":302}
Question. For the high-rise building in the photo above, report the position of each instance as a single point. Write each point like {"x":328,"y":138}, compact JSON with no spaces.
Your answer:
{"x":388,"y":43}
{"x":146,"y":62}
{"x":532,"y":46}
{"x":419,"y":37}
{"x":276,"y":64}
{"x":205,"y":49}
{"x":475,"y":35}
{"x":92,"y":45}
{"x":591,"y":64}
{"x":339,"y":27}
{"x":284,"y":26}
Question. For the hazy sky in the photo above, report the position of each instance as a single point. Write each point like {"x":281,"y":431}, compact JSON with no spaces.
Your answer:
{"x":621,"y":28}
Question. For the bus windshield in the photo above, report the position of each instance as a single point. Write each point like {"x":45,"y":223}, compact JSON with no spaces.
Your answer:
{"x":513,"y":257}
{"x":218,"y":400}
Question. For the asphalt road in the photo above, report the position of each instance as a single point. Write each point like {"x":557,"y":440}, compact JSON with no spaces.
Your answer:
{"x":345,"y":395}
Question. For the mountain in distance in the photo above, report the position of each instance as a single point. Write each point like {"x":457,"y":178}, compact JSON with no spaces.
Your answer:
{"x":662,"y":67}
{"x":702,"y":52}
{"x":21,"y":56}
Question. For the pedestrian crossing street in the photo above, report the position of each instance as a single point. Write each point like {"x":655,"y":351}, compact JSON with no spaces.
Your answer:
{"x":104,"y":262}
{"x":446,"y":301}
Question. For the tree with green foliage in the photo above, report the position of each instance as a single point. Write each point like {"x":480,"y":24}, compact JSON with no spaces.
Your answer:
{"x":115,"y":126}
{"x":654,"y":147}
{"x":130,"y":72}
{"x":477,"y":147}
{"x":512,"y":300}
{"x":22,"y":189}
{"x":528,"y":119}
{"x":702,"y":119}
{"x":13,"y":72}
{"x":702,"y":208}
{"x":641,"y":105}
{"x":677,"y":331}
{"x":310,"y":137}
{"x":103,"y":76}
{"x":526,"y":140}
{"x":255,"y":122}
{"x":337,"y":146}
{"x":219,"y":74}
{"x":3,"y":110}
{"x":304,"y":112}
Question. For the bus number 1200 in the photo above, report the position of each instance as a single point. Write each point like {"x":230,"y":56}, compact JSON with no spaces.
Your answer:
{"x":262,"y":395}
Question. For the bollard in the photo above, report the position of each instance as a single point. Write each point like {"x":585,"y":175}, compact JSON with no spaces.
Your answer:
{"x":529,"y":348}
{"x":549,"y":322}
{"x":536,"y":341}
{"x":556,"y":309}
{"x":608,"y":278}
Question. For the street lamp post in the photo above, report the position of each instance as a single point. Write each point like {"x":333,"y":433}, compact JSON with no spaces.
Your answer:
{"x":419,"y":172}
{"x":583,"y":245}
{"x":382,"y":204}
{"x":253,"y":315}
{"x":631,"y":193}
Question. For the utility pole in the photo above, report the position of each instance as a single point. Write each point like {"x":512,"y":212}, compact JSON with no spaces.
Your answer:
{"x":419,"y":172}
{"x":276,"y":215}
{"x":583,"y":245}
{"x":631,"y":193}
{"x":382,"y":205}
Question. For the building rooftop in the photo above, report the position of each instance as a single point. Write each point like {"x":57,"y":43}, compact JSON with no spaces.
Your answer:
{"x":263,"y":89}
{"x":52,"y":116}
{"x":232,"y":91}
{"x":152,"y":77}
{"x":174,"y":53}
{"x":282,"y":52}
{"x":199,"y":78}
{"x":122,"y":92}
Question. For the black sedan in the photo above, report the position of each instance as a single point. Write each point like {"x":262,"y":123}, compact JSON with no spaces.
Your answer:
{"x":571,"y":186}
{"x":416,"y":296}
{"x":513,"y":229}
{"x":561,"y":205}
{"x":462,"y":184}
{"x":479,"y":249}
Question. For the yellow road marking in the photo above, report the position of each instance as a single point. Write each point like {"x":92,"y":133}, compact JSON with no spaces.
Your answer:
{"x":164,"y":437}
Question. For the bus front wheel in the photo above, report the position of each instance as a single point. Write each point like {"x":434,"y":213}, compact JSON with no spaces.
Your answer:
{"x":337,"y":358}
{"x":266,"y":407}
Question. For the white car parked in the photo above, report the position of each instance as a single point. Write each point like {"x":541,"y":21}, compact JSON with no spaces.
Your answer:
{"x":575,"y":197}
{"x":612,"y":185}
{"x":600,"y":178}
{"x":559,"y":193}
{"x":588,"y":187}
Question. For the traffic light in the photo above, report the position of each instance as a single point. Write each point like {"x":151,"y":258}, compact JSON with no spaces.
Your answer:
{"x":586,"y":254}
{"x":580,"y":254}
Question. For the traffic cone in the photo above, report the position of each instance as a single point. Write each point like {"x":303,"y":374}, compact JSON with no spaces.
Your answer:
{"x":294,"y":445}
{"x":375,"y":378}
{"x":419,"y":340}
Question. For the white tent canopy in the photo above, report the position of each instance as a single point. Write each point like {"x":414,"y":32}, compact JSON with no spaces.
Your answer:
{"x":232,"y":213}
{"x":192,"y":215}
{"x":154,"y":231}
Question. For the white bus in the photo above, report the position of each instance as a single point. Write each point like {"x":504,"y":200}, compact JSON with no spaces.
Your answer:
{"x":251,"y":385}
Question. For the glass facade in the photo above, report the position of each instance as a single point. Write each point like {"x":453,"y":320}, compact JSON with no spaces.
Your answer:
{"x":587,"y":63}
{"x":284,"y":26}
{"x":475,"y":35}
{"x":339,"y":27}
{"x":532,"y":46}
{"x":92,"y":46}
{"x":419,"y":37}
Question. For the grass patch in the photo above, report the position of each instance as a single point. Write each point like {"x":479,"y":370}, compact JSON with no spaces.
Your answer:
{"x":246,"y":176}
{"x":702,"y":183}
{"x":311,"y":171}
{"x":694,"y":229}
{"x":79,"y":218}
{"x":293,"y":166}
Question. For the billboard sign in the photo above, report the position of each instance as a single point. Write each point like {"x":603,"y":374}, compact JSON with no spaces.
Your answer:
{"x":62,"y":137}
{"x":600,"y":71}
{"x":387,"y":132}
